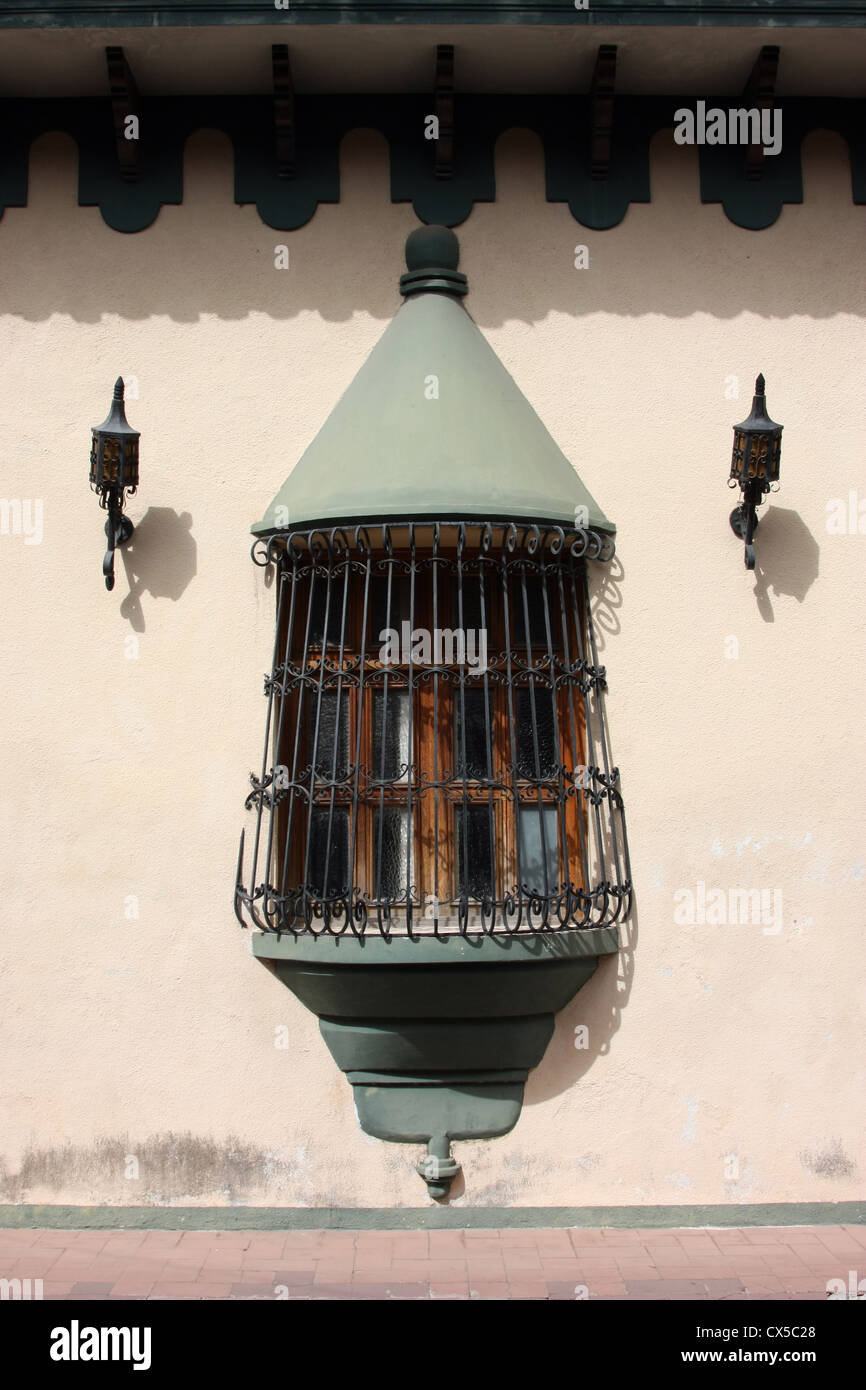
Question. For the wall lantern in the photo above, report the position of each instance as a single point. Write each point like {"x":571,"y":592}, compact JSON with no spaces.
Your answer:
{"x":113,"y":472}
{"x":437,"y":858}
{"x":754,"y":467}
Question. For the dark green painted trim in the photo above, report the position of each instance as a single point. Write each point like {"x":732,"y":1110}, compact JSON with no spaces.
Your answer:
{"x":138,"y":13}
{"x":561,"y":122}
{"x":498,"y":948}
{"x":63,"y":1218}
{"x":436,"y":1034}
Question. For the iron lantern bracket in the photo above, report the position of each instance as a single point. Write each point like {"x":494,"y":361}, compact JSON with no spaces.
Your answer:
{"x":118,"y":529}
{"x":744,"y":519}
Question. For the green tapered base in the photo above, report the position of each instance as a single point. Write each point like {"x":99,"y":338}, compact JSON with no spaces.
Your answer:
{"x":437,"y":1036}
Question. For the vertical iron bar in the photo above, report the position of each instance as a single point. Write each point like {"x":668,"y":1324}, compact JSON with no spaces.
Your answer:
{"x":463,"y":909}
{"x":590,"y":739}
{"x":562,"y":860}
{"x":509,"y":535}
{"x":410,"y":748}
{"x":299,"y":724}
{"x":338,"y":724}
{"x":315,"y":748}
{"x":268,"y":717}
{"x":489,"y":763}
{"x":436,"y":733}
{"x":378,"y":883}
{"x":535,"y":749}
{"x":599,"y":697}
{"x":359,"y":722}
{"x":575,"y":740}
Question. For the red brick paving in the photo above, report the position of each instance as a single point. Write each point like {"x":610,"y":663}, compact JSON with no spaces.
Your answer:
{"x":749,"y":1263}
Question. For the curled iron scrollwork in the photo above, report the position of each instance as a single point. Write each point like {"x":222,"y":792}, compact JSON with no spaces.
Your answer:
{"x":310,"y":854}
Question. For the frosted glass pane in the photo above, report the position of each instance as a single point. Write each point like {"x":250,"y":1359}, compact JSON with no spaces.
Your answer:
{"x":391,"y":735}
{"x":391,"y":852}
{"x":545,"y":734}
{"x":327,"y":717}
{"x":532,"y":857}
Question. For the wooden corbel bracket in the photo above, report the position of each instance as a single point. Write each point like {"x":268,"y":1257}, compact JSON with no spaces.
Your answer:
{"x":601,"y":116}
{"x":284,"y":111}
{"x":443,"y":106}
{"x":760,"y":92}
{"x":126,"y":111}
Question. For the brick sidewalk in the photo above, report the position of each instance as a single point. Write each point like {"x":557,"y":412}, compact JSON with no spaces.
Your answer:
{"x":791,"y":1262}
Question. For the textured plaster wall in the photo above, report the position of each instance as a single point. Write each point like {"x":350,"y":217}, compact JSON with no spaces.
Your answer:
{"x":725,"y":1063}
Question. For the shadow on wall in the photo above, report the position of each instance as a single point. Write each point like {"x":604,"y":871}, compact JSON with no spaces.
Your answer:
{"x":605,"y":600}
{"x":786,"y":558}
{"x":675,"y":257}
{"x":585,"y":1028}
{"x":159,"y":559}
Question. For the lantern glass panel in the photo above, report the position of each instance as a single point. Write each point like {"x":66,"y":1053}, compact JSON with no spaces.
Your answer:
{"x":758,"y":454}
{"x":738,"y":460}
{"x":130,"y":464}
{"x":110,"y":461}
{"x":775,"y":455}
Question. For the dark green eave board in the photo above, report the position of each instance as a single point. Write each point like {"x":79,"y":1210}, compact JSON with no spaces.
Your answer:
{"x":112,"y":13}
{"x":563,"y":124}
{"x":427,"y":1218}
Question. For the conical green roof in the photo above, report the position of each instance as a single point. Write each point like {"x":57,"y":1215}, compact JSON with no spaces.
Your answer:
{"x":432,"y":425}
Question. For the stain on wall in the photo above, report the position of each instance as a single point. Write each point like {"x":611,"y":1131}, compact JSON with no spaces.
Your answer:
{"x":830,"y":1162}
{"x":161,"y":1169}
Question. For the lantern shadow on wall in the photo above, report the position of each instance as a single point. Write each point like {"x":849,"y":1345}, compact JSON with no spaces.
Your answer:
{"x":787,"y":560}
{"x":160,"y":559}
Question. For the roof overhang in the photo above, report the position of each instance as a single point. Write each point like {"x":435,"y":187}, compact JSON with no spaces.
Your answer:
{"x":46,"y":59}
{"x":67,"y":14}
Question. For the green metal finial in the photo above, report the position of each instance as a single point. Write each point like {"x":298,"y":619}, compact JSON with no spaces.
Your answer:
{"x":432,"y":257}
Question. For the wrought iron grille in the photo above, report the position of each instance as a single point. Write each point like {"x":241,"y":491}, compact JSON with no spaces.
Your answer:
{"x":436,"y":756}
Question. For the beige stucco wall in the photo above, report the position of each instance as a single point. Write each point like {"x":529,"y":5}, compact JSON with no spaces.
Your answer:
{"x":714,"y":1051}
